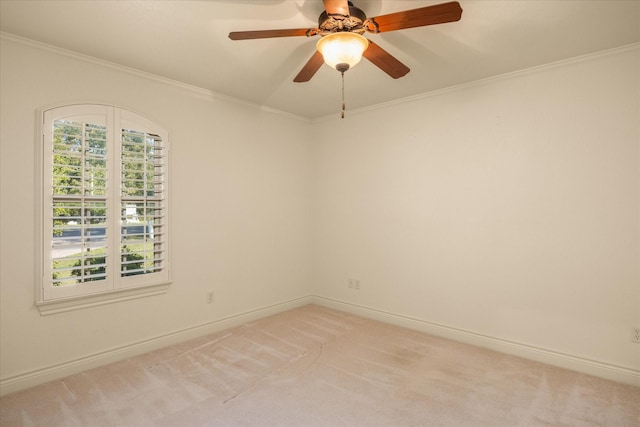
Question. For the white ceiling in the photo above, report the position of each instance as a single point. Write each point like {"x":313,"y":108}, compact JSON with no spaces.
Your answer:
{"x":187,"y":41}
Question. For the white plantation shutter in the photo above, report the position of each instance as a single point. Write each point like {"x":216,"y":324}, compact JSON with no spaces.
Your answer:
{"x":104,"y":201}
{"x":143,"y":238}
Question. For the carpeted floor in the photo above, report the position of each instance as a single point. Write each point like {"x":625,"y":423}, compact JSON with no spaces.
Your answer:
{"x":315,"y":366}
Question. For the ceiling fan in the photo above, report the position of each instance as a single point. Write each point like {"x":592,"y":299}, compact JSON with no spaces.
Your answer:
{"x":342,"y":23}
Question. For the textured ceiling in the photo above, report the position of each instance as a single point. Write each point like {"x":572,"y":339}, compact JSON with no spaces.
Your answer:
{"x":187,"y":41}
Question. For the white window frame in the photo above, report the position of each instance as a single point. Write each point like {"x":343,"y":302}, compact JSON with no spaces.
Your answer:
{"x":116,"y":287}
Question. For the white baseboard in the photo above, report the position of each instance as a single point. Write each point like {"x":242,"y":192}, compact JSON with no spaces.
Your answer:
{"x":575,"y":363}
{"x":53,"y":372}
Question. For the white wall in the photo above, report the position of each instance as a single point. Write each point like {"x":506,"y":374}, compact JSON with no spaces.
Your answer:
{"x":240,"y":212}
{"x":508,"y":208}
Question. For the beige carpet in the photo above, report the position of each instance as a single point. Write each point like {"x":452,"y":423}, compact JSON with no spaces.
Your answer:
{"x":319,"y":367}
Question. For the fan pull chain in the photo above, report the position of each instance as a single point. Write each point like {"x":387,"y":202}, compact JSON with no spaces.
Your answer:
{"x":343,"y":104}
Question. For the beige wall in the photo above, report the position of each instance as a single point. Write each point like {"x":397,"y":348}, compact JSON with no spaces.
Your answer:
{"x":507,"y":208}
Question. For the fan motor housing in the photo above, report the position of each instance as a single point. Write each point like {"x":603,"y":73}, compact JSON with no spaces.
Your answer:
{"x":336,"y":23}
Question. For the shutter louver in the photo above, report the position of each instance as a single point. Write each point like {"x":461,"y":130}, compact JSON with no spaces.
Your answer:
{"x":143,"y":237}
{"x":79,"y":169}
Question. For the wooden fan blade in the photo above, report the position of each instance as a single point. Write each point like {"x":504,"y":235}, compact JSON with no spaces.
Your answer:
{"x":385,"y":61}
{"x":429,"y":15}
{"x":336,"y":7}
{"x":265,"y":34}
{"x":310,"y":68}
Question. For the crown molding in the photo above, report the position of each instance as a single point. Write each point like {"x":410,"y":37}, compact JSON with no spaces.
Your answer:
{"x":185,"y":87}
{"x":488,"y":80}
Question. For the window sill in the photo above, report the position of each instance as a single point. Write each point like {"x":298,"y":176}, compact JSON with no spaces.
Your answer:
{"x":76,"y":303}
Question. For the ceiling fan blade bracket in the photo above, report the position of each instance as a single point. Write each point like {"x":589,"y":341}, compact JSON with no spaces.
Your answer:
{"x":371,"y":26}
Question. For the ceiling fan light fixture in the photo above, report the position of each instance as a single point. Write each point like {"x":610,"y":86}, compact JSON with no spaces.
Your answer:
{"x":342,"y":50}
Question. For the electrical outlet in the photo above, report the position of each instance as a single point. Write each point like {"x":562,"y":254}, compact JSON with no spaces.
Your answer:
{"x":353,"y":284}
{"x":635,"y":336}
{"x":210,"y":297}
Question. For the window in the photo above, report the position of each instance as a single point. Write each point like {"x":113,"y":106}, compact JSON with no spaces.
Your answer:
{"x":104,"y":209}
